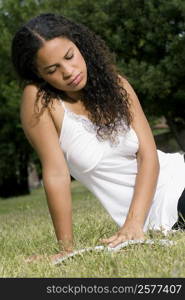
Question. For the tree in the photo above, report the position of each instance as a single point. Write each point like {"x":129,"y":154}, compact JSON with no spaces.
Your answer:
{"x":15,"y":151}
{"x":147,"y":38}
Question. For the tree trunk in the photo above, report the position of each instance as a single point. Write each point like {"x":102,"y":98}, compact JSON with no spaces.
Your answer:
{"x":9,"y":187}
{"x":16,"y":183}
{"x":23,"y":175}
{"x":178,"y":130}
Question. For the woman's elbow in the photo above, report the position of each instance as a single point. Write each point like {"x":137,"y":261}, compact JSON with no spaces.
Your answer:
{"x":57,"y":174}
{"x":151,"y":160}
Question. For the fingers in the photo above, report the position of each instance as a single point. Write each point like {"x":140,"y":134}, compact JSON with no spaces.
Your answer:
{"x":117,"y":241}
{"x":51,"y":258}
{"x":114,"y":240}
{"x":109,"y":240}
{"x":54,"y":257}
{"x":33,"y":258}
{"x":121,"y":237}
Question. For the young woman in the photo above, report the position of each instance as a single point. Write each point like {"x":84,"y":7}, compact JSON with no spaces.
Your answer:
{"x":85,"y":119}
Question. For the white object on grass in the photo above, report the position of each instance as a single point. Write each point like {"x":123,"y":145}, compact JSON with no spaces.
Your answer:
{"x":163,"y":242}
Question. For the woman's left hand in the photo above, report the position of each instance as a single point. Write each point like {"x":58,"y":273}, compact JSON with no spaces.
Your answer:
{"x":129,"y":231}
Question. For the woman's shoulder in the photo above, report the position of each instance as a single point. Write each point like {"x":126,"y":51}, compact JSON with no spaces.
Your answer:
{"x":31,"y":100}
{"x":29,"y":94}
{"x":28,"y":99}
{"x":30,"y":89}
{"x":32,"y":106}
{"x":41,"y":132}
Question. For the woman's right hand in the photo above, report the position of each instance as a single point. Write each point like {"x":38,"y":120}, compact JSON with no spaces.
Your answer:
{"x":51,"y":258}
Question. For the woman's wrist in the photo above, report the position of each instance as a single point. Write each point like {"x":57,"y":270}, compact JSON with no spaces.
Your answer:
{"x":66,"y":246}
{"x":135,"y":220}
{"x":134,"y":223}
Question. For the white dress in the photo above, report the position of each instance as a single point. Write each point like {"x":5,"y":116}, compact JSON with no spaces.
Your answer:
{"x":109,"y":171}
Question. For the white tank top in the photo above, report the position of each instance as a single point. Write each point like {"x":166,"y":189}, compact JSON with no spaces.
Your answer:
{"x":109,"y":171}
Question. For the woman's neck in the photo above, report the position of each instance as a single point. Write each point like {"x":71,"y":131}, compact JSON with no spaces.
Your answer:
{"x":73,"y":97}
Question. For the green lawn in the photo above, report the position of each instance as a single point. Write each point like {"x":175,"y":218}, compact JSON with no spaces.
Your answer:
{"x":26,"y":229}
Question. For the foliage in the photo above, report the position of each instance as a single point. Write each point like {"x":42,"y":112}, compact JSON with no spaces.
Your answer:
{"x":147,"y":38}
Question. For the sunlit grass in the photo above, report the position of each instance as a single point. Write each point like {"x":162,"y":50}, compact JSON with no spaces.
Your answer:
{"x":26,"y":229}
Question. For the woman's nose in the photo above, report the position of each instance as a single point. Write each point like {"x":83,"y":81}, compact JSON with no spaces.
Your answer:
{"x":67,"y":72}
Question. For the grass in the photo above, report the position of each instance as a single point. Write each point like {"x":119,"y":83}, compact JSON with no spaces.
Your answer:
{"x":26,"y":229}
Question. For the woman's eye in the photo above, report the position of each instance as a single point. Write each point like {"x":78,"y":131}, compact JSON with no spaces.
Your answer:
{"x":69,"y":57}
{"x":51,"y":72}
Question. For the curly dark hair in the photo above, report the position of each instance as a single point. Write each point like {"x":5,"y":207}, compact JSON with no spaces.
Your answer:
{"x":103,"y":96}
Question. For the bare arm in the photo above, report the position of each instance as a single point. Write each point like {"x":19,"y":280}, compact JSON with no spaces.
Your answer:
{"x":147,"y":176}
{"x":43,"y":137}
{"x":148,"y":163}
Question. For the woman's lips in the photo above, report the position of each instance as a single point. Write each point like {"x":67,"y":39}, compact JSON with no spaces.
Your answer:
{"x":76,"y":80}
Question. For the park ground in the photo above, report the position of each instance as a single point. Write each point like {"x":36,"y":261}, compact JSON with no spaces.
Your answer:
{"x":26,"y":229}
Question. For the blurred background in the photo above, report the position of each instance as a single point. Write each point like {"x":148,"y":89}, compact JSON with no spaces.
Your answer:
{"x":147,"y":38}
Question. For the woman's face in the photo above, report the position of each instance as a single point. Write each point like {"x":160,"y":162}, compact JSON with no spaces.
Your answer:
{"x":60,"y":63}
